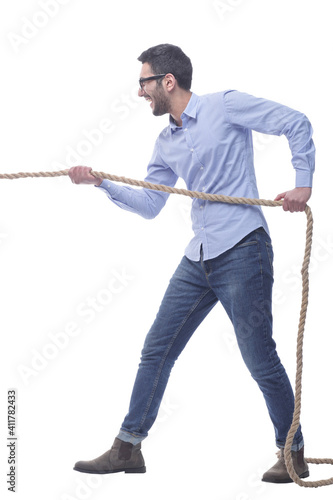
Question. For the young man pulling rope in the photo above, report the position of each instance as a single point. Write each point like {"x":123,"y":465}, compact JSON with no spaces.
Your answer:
{"x":208,"y":143}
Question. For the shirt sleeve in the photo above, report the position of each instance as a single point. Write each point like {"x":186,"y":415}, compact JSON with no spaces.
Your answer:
{"x":145,"y":202}
{"x":269,"y":117}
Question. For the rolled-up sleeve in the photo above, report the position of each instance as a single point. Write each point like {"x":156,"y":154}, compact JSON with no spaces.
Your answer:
{"x":269,"y":117}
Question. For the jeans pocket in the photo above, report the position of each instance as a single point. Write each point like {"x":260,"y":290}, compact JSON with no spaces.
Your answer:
{"x":246,"y":244}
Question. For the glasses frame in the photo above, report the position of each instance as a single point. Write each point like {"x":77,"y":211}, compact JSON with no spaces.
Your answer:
{"x":142,"y":81}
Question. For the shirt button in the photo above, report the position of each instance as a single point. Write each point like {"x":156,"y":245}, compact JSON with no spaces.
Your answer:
{"x":192,"y":150}
{"x":185,"y":129}
{"x":201,"y":168}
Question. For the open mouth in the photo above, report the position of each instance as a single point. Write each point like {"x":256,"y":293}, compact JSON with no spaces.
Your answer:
{"x":148,"y":99}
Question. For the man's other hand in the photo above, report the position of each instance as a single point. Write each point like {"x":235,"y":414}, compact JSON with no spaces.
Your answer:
{"x":296,"y":199}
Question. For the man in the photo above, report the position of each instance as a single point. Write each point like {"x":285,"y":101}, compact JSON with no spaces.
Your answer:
{"x":208,"y":143}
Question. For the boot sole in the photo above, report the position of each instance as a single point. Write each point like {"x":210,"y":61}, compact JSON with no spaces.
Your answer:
{"x":139,"y":470}
{"x":285,"y":481}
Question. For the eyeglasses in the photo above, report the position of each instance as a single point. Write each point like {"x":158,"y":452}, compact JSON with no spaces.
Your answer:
{"x":142,"y":81}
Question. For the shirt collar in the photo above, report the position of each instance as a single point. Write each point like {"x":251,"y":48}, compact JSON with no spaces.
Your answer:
{"x":190,"y":110}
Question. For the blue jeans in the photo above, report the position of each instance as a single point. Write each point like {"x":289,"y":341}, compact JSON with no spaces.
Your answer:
{"x":241,"y":279}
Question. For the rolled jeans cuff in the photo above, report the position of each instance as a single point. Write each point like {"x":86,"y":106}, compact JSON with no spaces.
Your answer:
{"x":130,"y":438}
{"x":295,"y":447}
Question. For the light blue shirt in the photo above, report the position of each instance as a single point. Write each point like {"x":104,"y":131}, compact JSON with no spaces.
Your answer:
{"x":213,"y":152}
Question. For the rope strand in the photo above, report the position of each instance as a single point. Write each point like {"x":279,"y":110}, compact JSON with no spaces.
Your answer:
{"x":304,"y":304}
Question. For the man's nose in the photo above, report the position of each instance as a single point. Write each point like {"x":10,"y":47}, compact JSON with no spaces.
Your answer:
{"x":141,"y":92}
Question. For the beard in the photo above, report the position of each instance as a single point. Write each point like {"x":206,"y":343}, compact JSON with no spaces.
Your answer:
{"x":161,"y":103}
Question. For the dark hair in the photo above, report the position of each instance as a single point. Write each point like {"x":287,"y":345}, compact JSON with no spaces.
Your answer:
{"x":167,"y":58}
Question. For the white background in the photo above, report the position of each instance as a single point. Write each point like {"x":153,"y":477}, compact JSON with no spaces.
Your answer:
{"x":66,"y":67}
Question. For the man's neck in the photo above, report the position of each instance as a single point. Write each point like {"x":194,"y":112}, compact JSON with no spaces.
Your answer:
{"x":179,"y":105}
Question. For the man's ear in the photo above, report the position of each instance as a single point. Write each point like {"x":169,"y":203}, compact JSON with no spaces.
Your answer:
{"x":170,"y":82}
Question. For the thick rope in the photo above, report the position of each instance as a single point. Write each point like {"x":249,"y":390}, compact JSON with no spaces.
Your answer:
{"x":304,"y":305}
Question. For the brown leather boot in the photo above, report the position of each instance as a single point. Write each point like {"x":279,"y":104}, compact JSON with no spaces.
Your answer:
{"x":123,"y":457}
{"x":279,"y":474}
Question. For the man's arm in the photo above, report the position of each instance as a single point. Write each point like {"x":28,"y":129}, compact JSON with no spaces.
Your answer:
{"x":144,"y":202}
{"x":269,"y":117}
